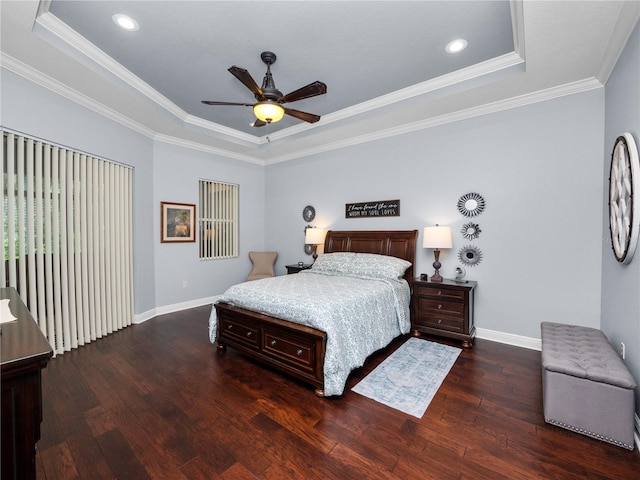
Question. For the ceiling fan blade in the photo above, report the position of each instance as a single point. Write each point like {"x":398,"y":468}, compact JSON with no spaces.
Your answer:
{"x":311,"y":90}
{"x":307,"y":117}
{"x":245,"y":77}
{"x":212,"y":102}
{"x":258,"y":123}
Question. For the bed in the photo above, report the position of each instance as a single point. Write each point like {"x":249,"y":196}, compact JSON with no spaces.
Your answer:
{"x":304,"y":334}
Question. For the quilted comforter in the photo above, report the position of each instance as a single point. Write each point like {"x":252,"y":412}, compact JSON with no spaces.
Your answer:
{"x":359,"y":314}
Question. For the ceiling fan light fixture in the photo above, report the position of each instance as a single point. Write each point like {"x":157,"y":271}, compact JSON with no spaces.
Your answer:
{"x":268,"y":111}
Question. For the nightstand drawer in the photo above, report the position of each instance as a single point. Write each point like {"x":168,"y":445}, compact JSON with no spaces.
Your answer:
{"x":438,"y":292}
{"x":440,"y":307}
{"x":441,"y":322}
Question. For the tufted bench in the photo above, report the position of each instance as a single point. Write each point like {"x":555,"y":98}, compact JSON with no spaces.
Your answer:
{"x":585,"y":385}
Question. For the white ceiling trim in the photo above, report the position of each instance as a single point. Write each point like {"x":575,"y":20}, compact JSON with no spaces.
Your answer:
{"x":207,"y":149}
{"x":226,"y":131}
{"x":59,"y":30}
{"x":507,"y":104}
{"x":517,"y":27}
{"x":52,"y":25}
{"x":466,"y":74}
{"x":629,"y":16}
{"x":45,"y":81}
{"x":19,"y":68}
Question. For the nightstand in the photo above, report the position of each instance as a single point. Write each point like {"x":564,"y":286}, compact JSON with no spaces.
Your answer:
{"x":444,"y":309}
{"x":297,"y":268}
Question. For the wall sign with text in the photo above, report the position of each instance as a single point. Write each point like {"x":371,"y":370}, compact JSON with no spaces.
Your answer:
{"x":384,"y":208}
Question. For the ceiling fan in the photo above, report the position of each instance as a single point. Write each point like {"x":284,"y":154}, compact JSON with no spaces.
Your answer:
{"x":269,"y":107}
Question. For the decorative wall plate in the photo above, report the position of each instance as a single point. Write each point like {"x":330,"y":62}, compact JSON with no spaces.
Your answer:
{"x":470,"y":231}
{"x":308,"y":213}
{"x":470,"y":255}
{"x":471,"y":204}
{"x":624,"y":210}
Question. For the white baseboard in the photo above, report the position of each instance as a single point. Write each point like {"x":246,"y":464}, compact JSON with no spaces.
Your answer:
{"x":509,"y":339}
{"x":176,"y":307}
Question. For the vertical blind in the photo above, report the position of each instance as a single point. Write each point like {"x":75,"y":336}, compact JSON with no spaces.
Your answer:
{"x":67,"y":239}
{"x":218,"y":220}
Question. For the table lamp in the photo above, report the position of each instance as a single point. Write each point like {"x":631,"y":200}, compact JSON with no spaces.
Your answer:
{"x":314,"y":236}
{"x":437,"y":237}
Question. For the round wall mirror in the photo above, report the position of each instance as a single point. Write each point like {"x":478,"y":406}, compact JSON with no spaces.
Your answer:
{"x":470,"y":231}
{"x":308,"y":213}
{"x":471,"y":204}
{"x":470,"y":255}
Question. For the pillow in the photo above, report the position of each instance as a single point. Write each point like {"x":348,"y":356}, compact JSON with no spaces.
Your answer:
{"x":338,"y":262}
{"x":362,"y":265}
{"x":378,"y":266}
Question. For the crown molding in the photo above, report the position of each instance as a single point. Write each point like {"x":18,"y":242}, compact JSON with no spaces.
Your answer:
{"x":629,"y":17}
{"x":29,"y":73}
{"x":494,"y":107}
{"x":59,"y":88}
{"x":192,"y":120}
{"x":517,"y":26}
{"x":470,"y":73}
{"x":62,"y":32}
{"x":179,"y":142}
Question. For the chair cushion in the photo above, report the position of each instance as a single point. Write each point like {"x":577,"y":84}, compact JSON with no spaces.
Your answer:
{"x":263,"y":263}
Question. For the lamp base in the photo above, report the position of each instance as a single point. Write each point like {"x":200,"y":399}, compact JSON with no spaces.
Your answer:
{"x":436,"y":277}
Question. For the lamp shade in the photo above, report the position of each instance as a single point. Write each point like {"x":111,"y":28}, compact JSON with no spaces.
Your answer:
{"x":437,"y":237}
{"x":268,"y":111}
{"x":314,"y":236}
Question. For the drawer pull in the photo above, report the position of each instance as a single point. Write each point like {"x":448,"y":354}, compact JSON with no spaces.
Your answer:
{"x":439,"y":306}
{"x":273,"y":343}
{"x":229,"y":327}
{"x":299,"y":352}
{"x":439,"y":320}
{"x":439,"y":292}
{"x":248,"y":334}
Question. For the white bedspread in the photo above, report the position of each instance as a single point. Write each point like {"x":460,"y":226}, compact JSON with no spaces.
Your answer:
{"x":360,"y":315}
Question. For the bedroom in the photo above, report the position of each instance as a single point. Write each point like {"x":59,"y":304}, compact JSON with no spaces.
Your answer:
{"x":542,"y":168}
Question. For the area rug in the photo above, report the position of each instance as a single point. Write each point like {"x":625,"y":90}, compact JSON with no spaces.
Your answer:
{"x":410,"y":377}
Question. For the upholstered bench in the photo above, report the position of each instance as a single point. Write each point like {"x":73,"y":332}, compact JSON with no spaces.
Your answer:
{"x":585,"y":385}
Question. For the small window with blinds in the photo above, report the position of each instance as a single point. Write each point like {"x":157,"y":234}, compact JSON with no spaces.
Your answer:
{"x":218,"y":220}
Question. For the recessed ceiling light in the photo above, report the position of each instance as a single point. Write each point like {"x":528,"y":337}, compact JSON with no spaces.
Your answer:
{"x":125,"y":22}
{"x":456,"y":45}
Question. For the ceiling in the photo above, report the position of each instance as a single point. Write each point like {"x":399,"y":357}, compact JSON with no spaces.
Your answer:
{"x":384,"y":63}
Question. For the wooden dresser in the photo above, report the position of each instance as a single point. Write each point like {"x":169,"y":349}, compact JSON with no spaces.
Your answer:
{"x":444,"y":308}
{"x":24,"y":352}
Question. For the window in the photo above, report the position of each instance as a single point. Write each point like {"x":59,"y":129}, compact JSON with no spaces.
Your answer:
{"x":218,"y":220}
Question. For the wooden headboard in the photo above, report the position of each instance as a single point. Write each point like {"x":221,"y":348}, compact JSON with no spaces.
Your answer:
{"x":395,"y":243}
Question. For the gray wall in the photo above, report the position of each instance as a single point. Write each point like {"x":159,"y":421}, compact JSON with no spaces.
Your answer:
{"x":621,"y":283}
{"x":539,"y":168}
{"x":177,"y":171}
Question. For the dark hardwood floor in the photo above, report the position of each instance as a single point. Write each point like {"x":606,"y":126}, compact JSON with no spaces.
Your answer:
{"x":157,"y":401}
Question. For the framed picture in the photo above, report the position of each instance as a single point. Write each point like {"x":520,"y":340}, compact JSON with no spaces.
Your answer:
{"x":177,"y":222}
